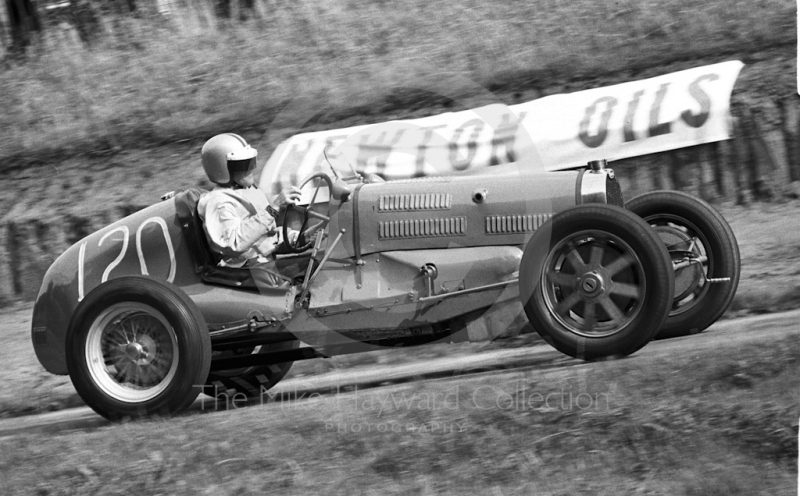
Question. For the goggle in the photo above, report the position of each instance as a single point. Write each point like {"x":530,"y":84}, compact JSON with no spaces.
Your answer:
{"x":242,"y":165}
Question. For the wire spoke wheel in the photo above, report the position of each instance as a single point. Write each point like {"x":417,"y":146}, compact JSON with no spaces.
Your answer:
{"x":593,"y":283}
{"x":137,"y":347}
{"x":131,"y":352}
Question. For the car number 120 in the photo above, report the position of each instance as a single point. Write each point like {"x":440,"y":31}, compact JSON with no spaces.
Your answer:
{"x":125,"y":239}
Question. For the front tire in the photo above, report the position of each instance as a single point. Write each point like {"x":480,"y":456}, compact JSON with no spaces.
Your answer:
{"x":137,"y":347}
{"x":596,"y":282}
{"x":692,"y":229}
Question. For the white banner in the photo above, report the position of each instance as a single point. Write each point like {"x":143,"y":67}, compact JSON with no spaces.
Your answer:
{"x":563,"y":131}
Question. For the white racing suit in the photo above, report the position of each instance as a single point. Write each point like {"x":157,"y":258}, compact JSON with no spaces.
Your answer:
{"x":239,"y":227}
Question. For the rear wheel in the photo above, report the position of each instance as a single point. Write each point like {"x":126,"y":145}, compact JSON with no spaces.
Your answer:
{"x":137,"y":347}
{"x":704,"y":251}
{"x":596,"y":282}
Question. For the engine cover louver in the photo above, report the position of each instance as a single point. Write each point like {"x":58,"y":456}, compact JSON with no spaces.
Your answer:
{"x":423,"y":228}
{"x":415,"y":202}
{"x":507,"y":224}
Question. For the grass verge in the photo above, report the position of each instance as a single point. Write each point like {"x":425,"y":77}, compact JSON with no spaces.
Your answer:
{"x":710,"y":422}
{"x":153,"y":80}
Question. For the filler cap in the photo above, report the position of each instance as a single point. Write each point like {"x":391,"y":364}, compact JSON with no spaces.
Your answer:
{"x":598,"y":165}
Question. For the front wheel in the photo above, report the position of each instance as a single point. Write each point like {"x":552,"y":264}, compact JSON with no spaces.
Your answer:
{"x":137,"y":347}
{"x":704,"y":253}
{"x":596,"y":282}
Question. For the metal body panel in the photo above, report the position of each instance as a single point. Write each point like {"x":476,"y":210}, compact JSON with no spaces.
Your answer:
{"x":314,"y":327}
{"x":148,"y":242}
{"x":397,"y":274}
{"x":458,"y":211}
{"x":220,"y":304}
{"x":440,"y":212}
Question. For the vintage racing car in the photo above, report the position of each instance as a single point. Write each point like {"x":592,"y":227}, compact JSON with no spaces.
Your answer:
{"x":142,"y":318}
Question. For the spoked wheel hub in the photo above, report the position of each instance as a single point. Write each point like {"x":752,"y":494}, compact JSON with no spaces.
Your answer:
{"x":131,"y":352}
{"x":594,"y":284}
{"x":591,"y":285}
{"x":141,"y":354}
{"x":683,"y":245}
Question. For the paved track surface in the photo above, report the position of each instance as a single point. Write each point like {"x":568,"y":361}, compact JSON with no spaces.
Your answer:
{"x":723,"y":335}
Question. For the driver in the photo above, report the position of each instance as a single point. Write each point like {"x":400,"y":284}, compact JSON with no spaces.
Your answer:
{"x":238,"y":219}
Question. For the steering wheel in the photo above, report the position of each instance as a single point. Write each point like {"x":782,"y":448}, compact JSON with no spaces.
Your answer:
{"x":300,"y":245}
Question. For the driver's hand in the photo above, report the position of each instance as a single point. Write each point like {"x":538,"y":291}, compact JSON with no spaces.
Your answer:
{"x":289,"y":195}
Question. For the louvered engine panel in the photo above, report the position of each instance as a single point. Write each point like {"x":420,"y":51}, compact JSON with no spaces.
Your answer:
{"x":443,"y":213}
{"x":422,"y":228}
{"x":414,"y":202}
{"x":510,"y":224}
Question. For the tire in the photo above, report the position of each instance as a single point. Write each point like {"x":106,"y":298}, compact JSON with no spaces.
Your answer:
{"x":598,"y":260}
{"x":678,"y":218}
{"x":250,"y":381}
{"x":165,"y":359}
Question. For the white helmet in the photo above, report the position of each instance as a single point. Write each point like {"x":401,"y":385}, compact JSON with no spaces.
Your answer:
{"x":226,"y":156}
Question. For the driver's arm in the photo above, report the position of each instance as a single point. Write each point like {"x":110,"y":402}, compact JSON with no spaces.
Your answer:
{"x":235,"y":234}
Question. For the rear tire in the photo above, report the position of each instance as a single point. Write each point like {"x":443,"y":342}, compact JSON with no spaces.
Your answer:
{"x":596,"y":282}
{"x":679,"y":218}
{"x":137,"y":347}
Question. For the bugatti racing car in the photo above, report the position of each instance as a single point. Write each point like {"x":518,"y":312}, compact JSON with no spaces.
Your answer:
{"x":143,"y":318}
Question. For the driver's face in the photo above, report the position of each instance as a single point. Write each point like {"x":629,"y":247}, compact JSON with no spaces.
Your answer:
{"x":244,"y":180}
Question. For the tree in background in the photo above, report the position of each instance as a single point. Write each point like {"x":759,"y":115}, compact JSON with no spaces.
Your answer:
{"x":245,"y":6}
{"x":23,"y":22}
{"x":120,"y":7}
{"x":131,"y":4}
{"x":86,"y":20}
